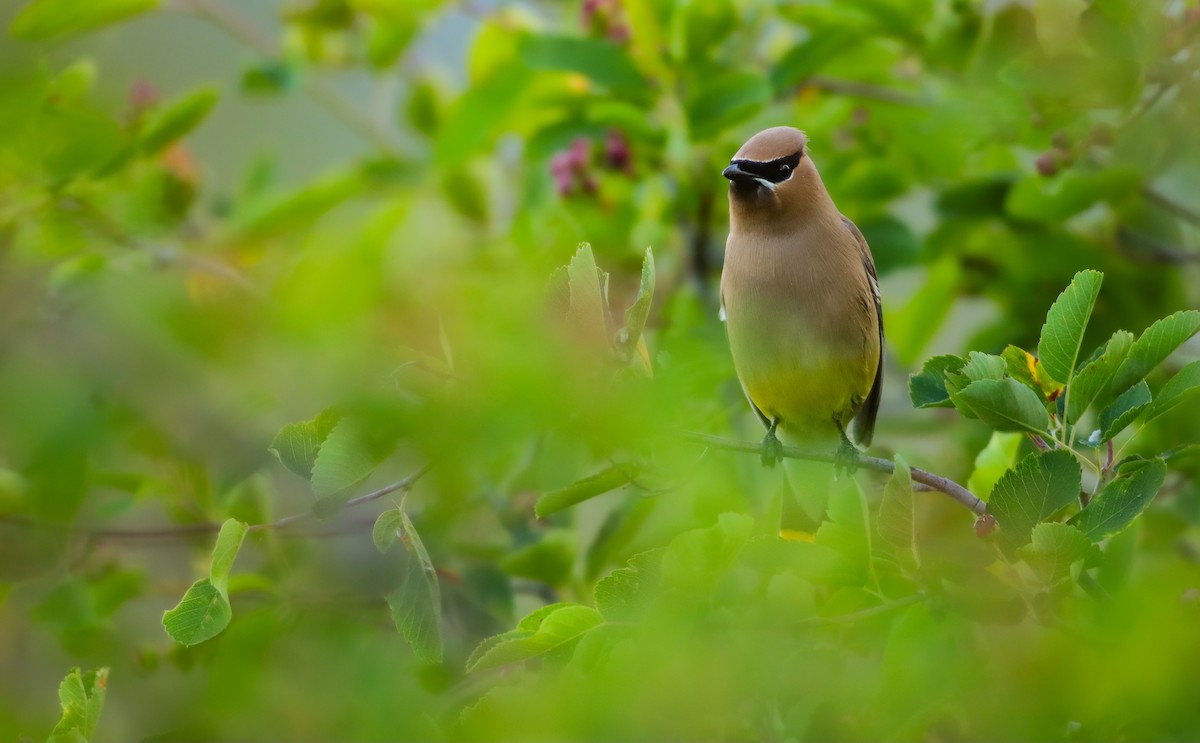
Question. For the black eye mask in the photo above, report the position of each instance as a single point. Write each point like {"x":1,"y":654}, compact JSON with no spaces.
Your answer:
{"x":775,"y":171}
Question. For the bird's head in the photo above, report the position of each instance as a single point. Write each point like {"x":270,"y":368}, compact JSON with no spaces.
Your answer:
{"x":772,"y":171}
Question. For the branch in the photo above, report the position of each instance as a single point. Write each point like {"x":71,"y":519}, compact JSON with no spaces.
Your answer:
{"x":936,"y":482}
{"x":185,"y":530}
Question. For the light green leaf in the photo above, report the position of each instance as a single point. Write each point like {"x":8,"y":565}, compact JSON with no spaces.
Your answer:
{"x":1116,"y":417}
{"x":718,"y":102}
{"x":1091,"y":383}
{"x":346,"y":458}
{"x":992,"y":462}
{"x":1003,"y":404}
{"x":296,"y":445}
{"x":416,"y":603}
{"x":913,"y":326}
{"x":1062,"y":333}
{"x":202,"y":614}
{"x":170,"y":121}
{"x":895,"y":522}
{"x":1041,"y":484}
{"x":635,"y":316}
{"x":623,"y":594}
{"x":1027,"y":369}
{"x":589,"y":304}
{"x":229,"y":541}
{"x":1052,"y":200}
{"x":609,"y":478}
{"x":979,"y":366}
{"x":1178,"y":388}
{"x":1155,"y":345}
{"x":556,"y":626}
{"x":927,"y":388}
{"x":46,"y":19}
{"x":387,"y":528}
{"x":1055,"y":548}
{"x":1120,"y":502}
{"x":81,"y":696}
{"x":549,"y":560}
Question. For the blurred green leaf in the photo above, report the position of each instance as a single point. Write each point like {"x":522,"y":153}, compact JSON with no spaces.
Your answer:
{"x":296,"y":445}
{"x":623,"y":594}
{"x":550,"y":560}
{"x":1054,"y":548}
{"x":229,"y":542}
{"x":913,"y":326}
{"x":46,"y":19}
{"x":927,"y":388}
{"x":1124,"y":410}
{"x":348,"y":456}
{"x":555,"y":626}
{"x":416,"y":603}
{"x":1037,"y":198}
{"x":175,"y":118}
{"x":896,"y":524}
{"x":589,"y":300}
{"x":81,"y":696}
{"x":992,"y":462}
{"x":607,"y":479}
{"x":1153,"y":346}
{"x":1062,"y":333}
{"x":603,"y":62}
{"x":724,"y":99}
{"x":1042,"y":484}
{"x":201,"y":615}
{"x":386,"y":529}
{"x":635,"y":316}
{"x":1003,"y":404}
{"x":805,"y":59}
{"x":1122,"y":500}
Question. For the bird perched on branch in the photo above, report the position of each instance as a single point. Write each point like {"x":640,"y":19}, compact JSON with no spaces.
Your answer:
{"x":800,"y":299}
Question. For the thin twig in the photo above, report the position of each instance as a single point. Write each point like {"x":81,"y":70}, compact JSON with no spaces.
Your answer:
{"x":185,"y":530}
{"x":856,"y":89}
{"x":937,"y":482}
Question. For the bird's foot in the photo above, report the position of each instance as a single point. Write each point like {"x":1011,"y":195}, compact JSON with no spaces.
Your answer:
{"x":772,"y":448}
{"x":845,"y":460}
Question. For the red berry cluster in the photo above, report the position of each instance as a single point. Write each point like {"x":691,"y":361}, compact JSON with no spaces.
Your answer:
{"x":604,"y":18}
{"x":571,"y":168}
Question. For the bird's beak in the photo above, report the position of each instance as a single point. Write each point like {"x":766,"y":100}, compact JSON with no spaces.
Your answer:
{"x":735,"y":173}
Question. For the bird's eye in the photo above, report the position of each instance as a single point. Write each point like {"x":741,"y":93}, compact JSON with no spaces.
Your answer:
{"x":785,"y":169}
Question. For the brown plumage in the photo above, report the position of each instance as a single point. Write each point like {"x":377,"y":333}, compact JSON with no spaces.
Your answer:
{"x":799,"y":295}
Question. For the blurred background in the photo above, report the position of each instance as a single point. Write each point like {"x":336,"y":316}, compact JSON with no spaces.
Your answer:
{"x":221,"y":217}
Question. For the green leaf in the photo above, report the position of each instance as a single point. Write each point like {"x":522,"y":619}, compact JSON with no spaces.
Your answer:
{"x":635,"y":316}
{"x":296,"y":445}
{"x":1055,"y":548}
{"x":416,"y":603}
{"x":175,"y":118}
{"x":623,"y":594}
{"x":979,"y":366}
{"x":202,"y":614}
{"x":229,"y":541}
{"x":912,"y":326}
{"x":1120,"y":502}
{"x":1041,"y":484}
{"x":1116,"y":417}
{"x":602,"y":482}
{"x":1037,"y":198}
{"x":46,"y":19}
{"x":1003,"y":404}
{"x":589,"y":305}
{"x":387,"y":528}
{"x":992,"y":462}
{"x":347,"y":457}
{"x":556,"y":626}
{"x":549,"y":560}
{"x":1062,"y":333}
{"x":601,"y":61}
{"x":1178,"y":388}
{"x":1155,"y":345}
{"x":1092,"y":382}
{"x":810,"y":56}
{"x":81,"y":696}
{"x":927,"y":388}
{"x":895,"y":523}
{"x":717,"y":102}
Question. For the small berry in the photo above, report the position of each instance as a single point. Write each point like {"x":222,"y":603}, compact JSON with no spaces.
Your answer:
{"x":1047,"y":164}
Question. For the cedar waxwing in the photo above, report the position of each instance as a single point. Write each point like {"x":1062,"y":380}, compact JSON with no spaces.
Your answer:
{"x":800,"y":299}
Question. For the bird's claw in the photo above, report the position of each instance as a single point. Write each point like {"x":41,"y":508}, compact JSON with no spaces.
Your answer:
{"x":772,"y":449}
{"x":846,"y":459}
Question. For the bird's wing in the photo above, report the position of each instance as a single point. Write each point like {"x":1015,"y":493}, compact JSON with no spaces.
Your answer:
{"x":864,"y":422}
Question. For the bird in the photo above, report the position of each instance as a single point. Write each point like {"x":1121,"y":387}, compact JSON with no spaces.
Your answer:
{"x":800,"y":299}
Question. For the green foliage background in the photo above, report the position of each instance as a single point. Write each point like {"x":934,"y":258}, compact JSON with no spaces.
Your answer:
{"x":312,"y":268}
